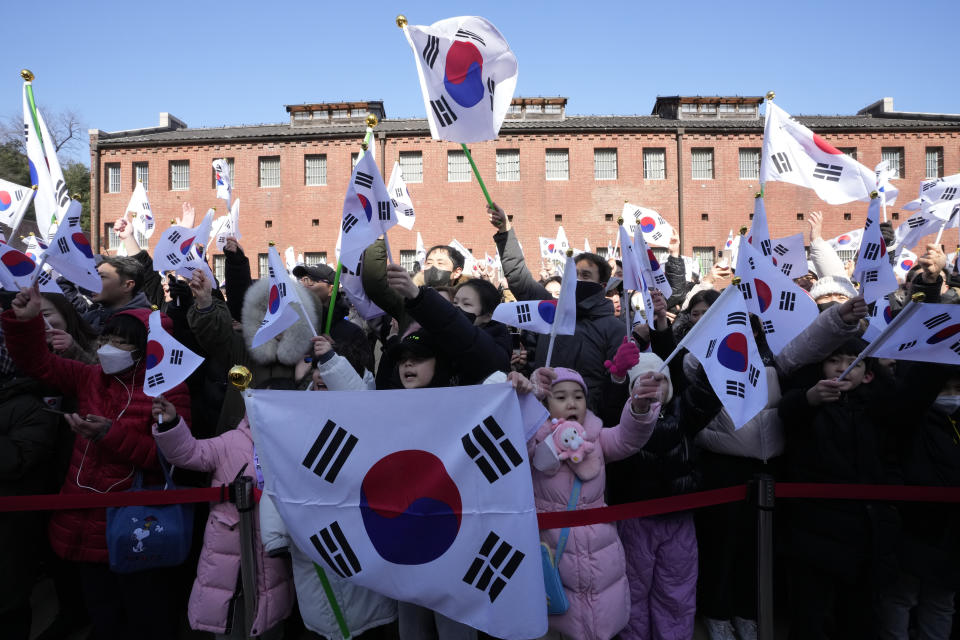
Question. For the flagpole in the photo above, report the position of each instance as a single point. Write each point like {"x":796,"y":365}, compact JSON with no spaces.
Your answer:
{"x":883,"y":203}
{"x":476,"y":172}
{"x":683,"y":343}
{"x":28,"y":77}
{"x":21,"y":214}
{"x":39,"y":270}
{"x":371,"y":123}
{"x":905,"y":314}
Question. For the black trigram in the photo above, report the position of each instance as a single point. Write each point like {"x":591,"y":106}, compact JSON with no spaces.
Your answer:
{"x":780,"y":250}
{"x":659,"y":278}
{"x":788,"y":300}
{"x":936,"y":320}
{"x":406,"y":211}
{"x":751,"y":263}
{"x":786,"y":268}
{"x":656,"y":235}
{"x":781,"y":162}
{"x":955,"y":347}
{"x":736,"y":389}
{"x":523,"y":313}
{"x":397,"y":192}
{"x":907,"y":345}
{"x":431,"y":50}
{"x":765,"y":247}
{"x":870,"y":276}
{"x":329,"y":441}
{"x":924,"y":186}
{"x":44,"y":278}
{"x":867,"y":224}
{"x":949,"y":193}
{"x":145,"y":205}
{"x":491,"y":86}
{"x":349,"y":221}
{"x":383,"y":210}
{"x":495,"y":445}
{"x":18,"y":194}
{"x":463,"y":33}
{"x":282,"y":289}
{"x":767,"y":326}
{"x":364,"y":179}
{"x":488,"y":571}
{"x":155,"y":380}
{"x":176,"y":356}
{"x":333,"y":547}
{"x":63,"y":246}
{"x":746,"y":290}
{"x":871,"y":251}
{"x":174,"y":237}
{"x":737,"y":317}
{"x":829,"y":172}
{"x":61,"y":192}
{"x":710,"y":347}
{"x":441,"y":109}
{"x":173,"y":259}
{"x":753,"y":375}
{"x":271,"y":273}
{"x":916,"y":221}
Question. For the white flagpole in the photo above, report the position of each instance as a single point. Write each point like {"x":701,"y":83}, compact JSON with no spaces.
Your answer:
{"x":912,"y":307}
{"x":313,"y":330}
{"x":21,"y":212}
{"x":553,"y":338}
{"x":883,"y":203}
{"x":36,"y":274}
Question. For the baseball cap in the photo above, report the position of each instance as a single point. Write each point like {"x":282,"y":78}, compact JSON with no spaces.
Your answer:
{"x":316,"y":272}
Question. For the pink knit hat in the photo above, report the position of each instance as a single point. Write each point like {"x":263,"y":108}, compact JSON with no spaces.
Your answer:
{"x":569,"y":375}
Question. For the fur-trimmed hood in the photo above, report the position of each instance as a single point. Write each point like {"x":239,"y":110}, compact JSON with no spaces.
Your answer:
{"x":294,"y":342}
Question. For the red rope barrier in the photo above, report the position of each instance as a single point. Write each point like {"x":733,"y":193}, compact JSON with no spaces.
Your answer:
{"x":895,"y":492}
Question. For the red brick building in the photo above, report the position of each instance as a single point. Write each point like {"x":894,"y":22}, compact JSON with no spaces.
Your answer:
{"x":694,"y":159}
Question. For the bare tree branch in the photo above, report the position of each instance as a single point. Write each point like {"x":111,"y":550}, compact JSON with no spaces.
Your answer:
{"x":65,"y":129}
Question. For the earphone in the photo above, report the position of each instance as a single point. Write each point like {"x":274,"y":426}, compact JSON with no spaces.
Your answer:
{"x":133,"y":468}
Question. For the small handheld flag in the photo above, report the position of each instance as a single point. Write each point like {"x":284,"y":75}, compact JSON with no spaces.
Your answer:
{"x":168,"y":363}
{"x":70,"y":252}
{"x":656,"y":230}
{"x":221,"y":173}
{"x":367,"y":212}
{"x":280,"y":314}
{"x":400,"y":196}
{"x":139,"y":206}
{"x":873,"y":269}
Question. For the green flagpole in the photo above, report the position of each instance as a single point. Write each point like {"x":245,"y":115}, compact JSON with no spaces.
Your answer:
{"x":337,"y":611}
{"x":28,"y":77}
{"x":371,"y":123}
{"x":476,"y":172}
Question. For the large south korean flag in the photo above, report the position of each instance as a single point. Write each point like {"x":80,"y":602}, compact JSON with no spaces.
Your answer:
{"x":431,"y":507}
{"x":467,"y":74}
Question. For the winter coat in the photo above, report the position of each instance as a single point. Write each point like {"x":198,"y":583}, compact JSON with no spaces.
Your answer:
{"x":105,"y":465}
{"x":98,"y":315}
{"x":219,"y":566}
{"x":592,"y":567}
{"x":825,"y":260}
{"x":676,"y":273}
{"x":598,"y":332}
{"x":28,"y":440}
{"x":338,"y":374}
{"x":362,"y":608}
{"x":762,"y":438}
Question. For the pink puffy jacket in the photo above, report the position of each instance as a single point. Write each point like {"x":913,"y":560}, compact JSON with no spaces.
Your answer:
{"x":592,"y":568}
{"x":219,"y":566}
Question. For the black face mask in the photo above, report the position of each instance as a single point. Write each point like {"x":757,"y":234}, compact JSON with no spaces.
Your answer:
{"x":586,"y":289}
{"x":434,"y":277}
{"x":472,"y":317}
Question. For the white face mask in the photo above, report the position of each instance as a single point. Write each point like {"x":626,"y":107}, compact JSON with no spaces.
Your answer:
{"x":113,"y":359}
{"x":947,"y":404}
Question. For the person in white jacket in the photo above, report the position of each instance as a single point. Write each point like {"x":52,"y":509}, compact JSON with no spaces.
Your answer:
{"x":360,"y":610}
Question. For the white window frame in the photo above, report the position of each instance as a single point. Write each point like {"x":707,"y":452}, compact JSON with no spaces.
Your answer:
{"x":749,"y":163}
{"x":557,"y":164}
{"x":705,"y":256}
{"x":313,"y":258}
{"x":141,"y":173}
{"x":702,"y":163}
{"x":458,"y":166}
{"x":269,"y":171}
{"x":179,"y":175}
{"x":263,"y":265}
{"x":408,"y":259}
{"x":894,"y":158}
{"x":219,"y":266}
{"x":354,"y":159}
{"x":411,"y":164}
{"x":605,"y":163}
{"x":113,"y":177}
{"x":315,"y":175}
{"x":508,"y":165}
{"x":655,"y":163}
{"x":936,"y":155}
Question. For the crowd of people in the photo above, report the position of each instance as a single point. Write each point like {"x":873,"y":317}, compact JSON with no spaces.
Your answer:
{"x":75,"y":420}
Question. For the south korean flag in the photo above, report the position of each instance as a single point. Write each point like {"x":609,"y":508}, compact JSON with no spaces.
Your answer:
{"x":873,"y":269}
{"x":14,"y":201}
{"x":926,"y":332}
{"x":178,"y":250}
{"x":656,"y":230}
{"x":70,"y":252}
{"x":142,"y":213}
{"x":467,"y":74}
{"x":946,"y":189}
{"x":168,"y":363}
{"x":17,"y":270}
{"x":430,"y":507}
{"x":400,"y":197}
{"x":280,"y":315}
{"x":789,"y":255}
{"x":367,"y":212}
{"x":722,"y":340}
{"x":784,"y":309}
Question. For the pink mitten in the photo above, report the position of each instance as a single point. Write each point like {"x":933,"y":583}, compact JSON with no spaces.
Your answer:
{"x":627,"y":355}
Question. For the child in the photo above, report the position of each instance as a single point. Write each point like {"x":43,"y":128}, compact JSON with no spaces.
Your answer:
{"x":592,"y":567}
{"x":214,"y":605}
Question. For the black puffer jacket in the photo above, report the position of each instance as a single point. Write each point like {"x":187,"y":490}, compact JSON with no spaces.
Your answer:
{"x":598,"y":332}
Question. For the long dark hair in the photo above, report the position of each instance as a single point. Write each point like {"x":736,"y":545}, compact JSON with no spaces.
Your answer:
{"x":77,"y":327}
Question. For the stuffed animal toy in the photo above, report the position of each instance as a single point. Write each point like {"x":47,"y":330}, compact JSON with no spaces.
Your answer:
{"x":569,"y":441}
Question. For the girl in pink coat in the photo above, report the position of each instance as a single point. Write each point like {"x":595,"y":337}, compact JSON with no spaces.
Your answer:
{"x":213,"y":603}
{"x":592,"y":567}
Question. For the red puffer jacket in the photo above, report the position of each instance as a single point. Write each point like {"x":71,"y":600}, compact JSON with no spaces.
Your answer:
{"x":108,"y":464}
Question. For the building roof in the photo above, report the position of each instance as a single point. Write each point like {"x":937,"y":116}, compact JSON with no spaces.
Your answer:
{"x":569,"y":124}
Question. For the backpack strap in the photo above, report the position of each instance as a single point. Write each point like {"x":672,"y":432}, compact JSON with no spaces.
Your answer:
{"x":571,"y":506}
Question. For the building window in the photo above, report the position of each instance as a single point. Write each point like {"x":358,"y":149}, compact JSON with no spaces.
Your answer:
{"x":894,"y":157}
{"x":312,"y":258}
{"x":354,"y":159}
{"x":458,"y":167}
{"x":113,"y":178}
{"x":315,"y":170}
{"x":708,"y":108}
{"x":408,"y":260}
{"x":301,"y":115}
{"x":660,"y":254}
{"x":219,"y":266}
{"x":705,"y":257}
{"x":230,"y":173}
{"x":141,"y":173}
{"x":605,"y":164}
{"x":702,"y":164}
{"x":749,"y":164}
{"x":179,"y":175}
{"x":411,"y":164}
{"x":508,"y":165}
{"x":534,"y":108}
{"x":728,"y":108}
{"x":749,"y":109}
{"x":321,"y":115}
{"x":269,"y":171}
{"x":558,"y":164}
{"x":113,"y":241}
{"x":850,"y":151}
{"x":340,"y":113}
{"x":358,"y":113}
{"x":263,"y":264}
{"x":514,"y":108}
{"x":688,"y":107}
{"x":655,"y":164}
{"x":848,"y":216}
{"x":934,"y":162}
{"x":551,"y":108}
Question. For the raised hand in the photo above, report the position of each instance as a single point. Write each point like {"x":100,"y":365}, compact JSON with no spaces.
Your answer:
{"x":26,"y":305}
{"x":202,"y":289}
{"x":186,"y":220}
{"x":498,"y":218}
{"x":399,"y":280}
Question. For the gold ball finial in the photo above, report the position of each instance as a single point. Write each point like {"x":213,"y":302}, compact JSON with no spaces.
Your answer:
{"x":173,"y":222}
{"x":758,"y":195}
{"x":735,"y":281}
{"x":771,"y":95}
{"x":919,"y":297}
{"x":874,"y":194}
{"x":569,"y":253}
{"x":371,"y":120}
{"x":363,"y":145}
{"x":27,"y":75}
{"x":34,"y":187}
{"x":743,"y":231}
{"x":154,"y":307}
{"x":855,"y":283}
{"x":401,"y":21}
{"x":271,"y":244}
{"x":240,"y":377}
{"x":619,"y":219}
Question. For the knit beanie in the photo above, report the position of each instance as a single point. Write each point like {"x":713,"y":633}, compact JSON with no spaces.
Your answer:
{"x":568,"y":375}
{"x":833,"y":285}
{"x":650,"y":362}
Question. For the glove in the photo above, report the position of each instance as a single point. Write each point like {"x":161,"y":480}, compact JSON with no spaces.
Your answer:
{"x":627,"y":355}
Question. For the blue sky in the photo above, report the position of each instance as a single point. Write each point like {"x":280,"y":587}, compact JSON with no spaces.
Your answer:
{"x":118,"y":64}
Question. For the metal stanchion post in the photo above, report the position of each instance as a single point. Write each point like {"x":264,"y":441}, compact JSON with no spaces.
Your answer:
{"x":241,"y":491}
{"x":762,"y":492}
